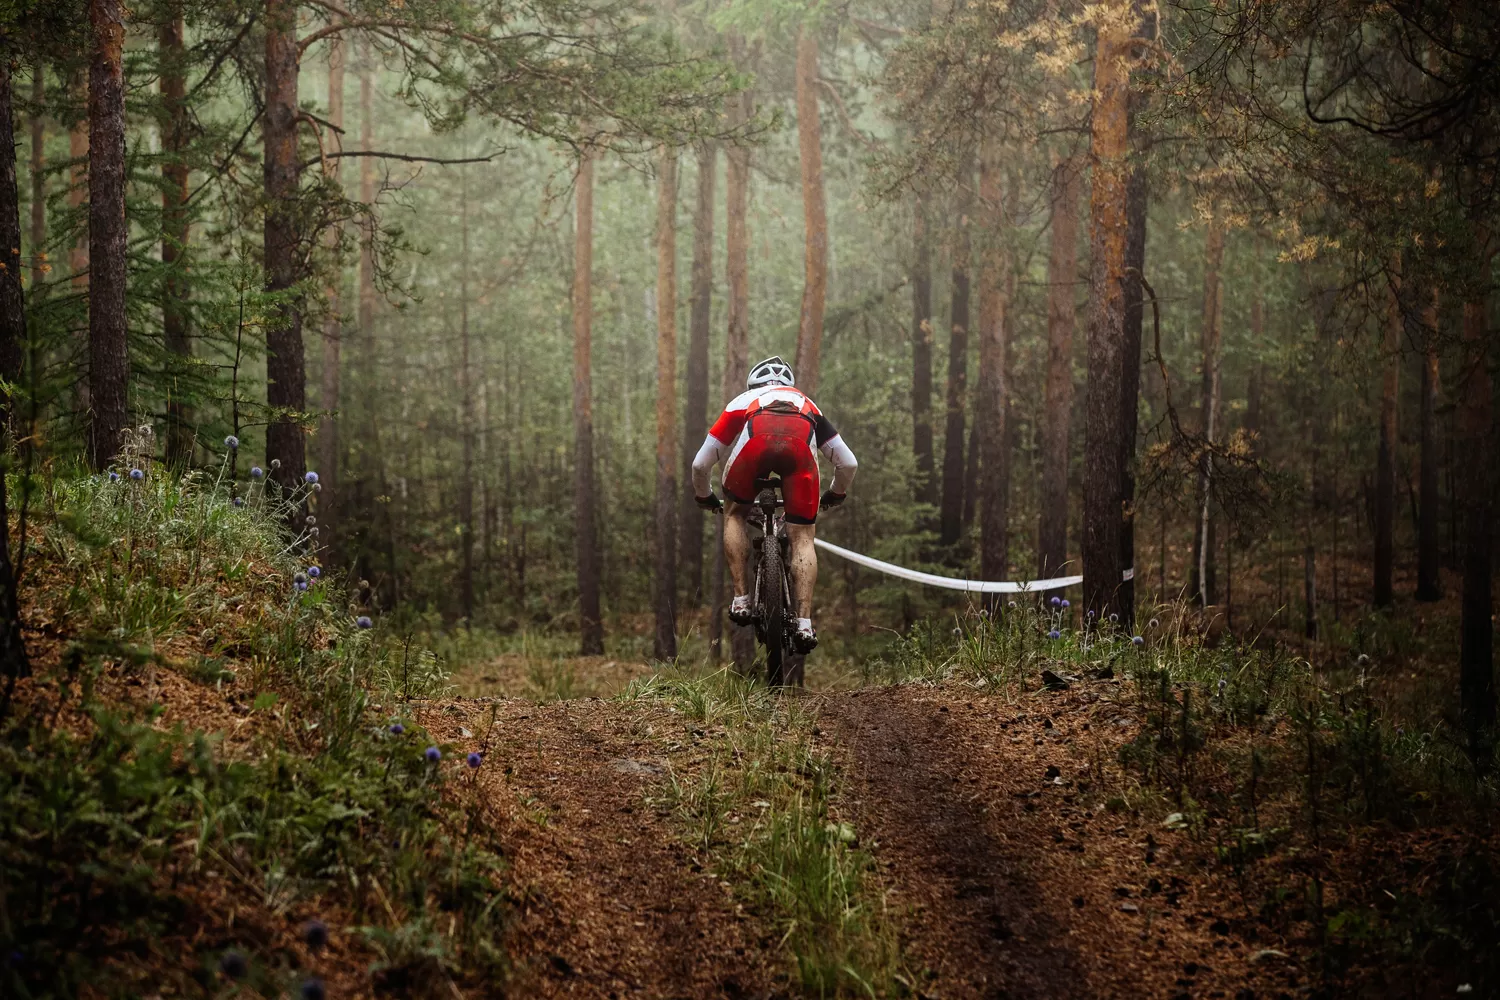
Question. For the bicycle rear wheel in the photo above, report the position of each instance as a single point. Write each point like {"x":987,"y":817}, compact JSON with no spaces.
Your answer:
{"x":773,"y":601}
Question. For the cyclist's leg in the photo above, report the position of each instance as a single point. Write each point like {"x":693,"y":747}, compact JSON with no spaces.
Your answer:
{"x":800,"y":487}
{"x":737,"y":545}
{"x":804,"y":566}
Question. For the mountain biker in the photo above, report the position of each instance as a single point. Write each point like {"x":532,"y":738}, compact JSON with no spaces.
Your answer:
{"x":773,"y":427}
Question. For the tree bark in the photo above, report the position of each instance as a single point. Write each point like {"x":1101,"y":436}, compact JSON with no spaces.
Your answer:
{"x":695,"y":414}
{"x":814,"y":213}
{"x":174,"y":235}
{"x":286,"y":379}
{"x":737,"y":341}
{"x":1103,"y":435}
{"x":921,"y":355}
{"x":1429,"y":584}
{"x":590,"y":624}
{"x":991,"y":426}
{"x":78,"y":188}
{"x":109,"y":357}
{"x":13,"y":660}
{"x":1062,"y":272}
{"x":1208,"y":405}
{"x":466,"y":412}
{"x":331,"y":499}
{"x":1136,"y":196}
{"x":1385,"y":457}
{"x":664,"y":575}
{"x":951,"y":515}
{"x":39,"y":266}
{"x":1476,"y":625}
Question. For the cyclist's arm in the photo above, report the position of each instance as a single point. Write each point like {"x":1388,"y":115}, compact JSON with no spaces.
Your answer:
{"x":831,"y":443}
{"x":712,"y":452}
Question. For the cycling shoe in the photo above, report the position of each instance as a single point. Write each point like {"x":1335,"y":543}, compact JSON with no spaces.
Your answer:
{"x":740,"y":611}
{"x":804,"y":638}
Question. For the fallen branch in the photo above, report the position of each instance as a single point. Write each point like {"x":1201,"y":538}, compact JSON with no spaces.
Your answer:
{"x":406,"y":157}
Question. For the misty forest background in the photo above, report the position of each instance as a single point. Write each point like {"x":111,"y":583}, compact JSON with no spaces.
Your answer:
{"x":1197,"y":288}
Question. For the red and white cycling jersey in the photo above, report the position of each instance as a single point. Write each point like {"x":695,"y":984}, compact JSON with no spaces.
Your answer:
{"x":775,"y":429}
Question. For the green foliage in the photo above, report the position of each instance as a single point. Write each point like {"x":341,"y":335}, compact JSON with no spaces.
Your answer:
{"x":113,"y":829}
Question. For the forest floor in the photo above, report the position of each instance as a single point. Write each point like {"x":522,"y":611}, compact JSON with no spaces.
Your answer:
{"x":997,"y":862}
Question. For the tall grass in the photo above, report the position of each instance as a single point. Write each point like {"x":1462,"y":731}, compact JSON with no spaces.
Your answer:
{"x":763,"y":814}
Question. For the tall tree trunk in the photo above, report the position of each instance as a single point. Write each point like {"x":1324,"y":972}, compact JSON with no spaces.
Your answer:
{"x":590,"y":625}
{"x":990,"y":424}
{"x":78,"y":185}
{"x":921,"y":355}
{"x":814,"y":212}
{"x":331,"y":499}
{"x":1429,"y":585}
{"x":13,"y":661}
{"x":1385,"y":456}
{"x":286,"y":378}
{"x":1208,"y":405}
{"x":695,"y":416}
{"x":1062,"y":272}
{"x":38,"y":176}
{"x":1476,"y":428}
{"x":1136,"y":195}
{"x":109,"y":357}
{"x":664,"y":572}
{"x":971,"y":467}
{"x":737,"y":342}
{"x":1103,"y":435}
{"x":466,"y":412}
{"x":951,"y":516}
{"x":174,"y":232}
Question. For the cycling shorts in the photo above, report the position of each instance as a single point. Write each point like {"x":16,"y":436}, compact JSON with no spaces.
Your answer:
{"x":779,"y":443}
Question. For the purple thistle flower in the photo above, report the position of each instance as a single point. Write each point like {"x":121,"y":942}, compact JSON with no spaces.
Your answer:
{"x":314,"y":571}
{"x":231,"y":442}
{"x":301,"y":584}
{"x":433,"y":755}
{"x":397,"y":729}
{"x":363,"y":621}
{"x":238,"y":501}
{"x":1056,"y":601}
{"x":475,"y":759}
{"x":114,"y":477}
{"x":312,"y":989}
{"x":137,"y":474}
{"x":309,"y":477}
{"x":1138,"y":640}
{"x":315,"y":933}
{"x":1091,"y":614}
{"x":1067,"y":603}
{"x":1054,"y":634}
{"x":234,"y":965}
{"x":256,"y":472}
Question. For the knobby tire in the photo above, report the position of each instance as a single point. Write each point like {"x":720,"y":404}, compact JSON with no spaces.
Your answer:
{"x":773,"y":599}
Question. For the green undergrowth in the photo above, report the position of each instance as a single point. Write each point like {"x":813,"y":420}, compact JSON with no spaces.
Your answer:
{"x":1293,"y":778}
{"x":762,"y":813}
{"x":139,"y":854}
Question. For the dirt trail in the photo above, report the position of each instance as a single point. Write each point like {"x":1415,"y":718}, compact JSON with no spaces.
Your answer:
{"x":974,"y":922}
{"x":1005,"y":874}
{"x":610,"y":903}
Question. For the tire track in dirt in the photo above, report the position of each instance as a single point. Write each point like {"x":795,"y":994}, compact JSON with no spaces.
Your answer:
{"x":970,"y":917}
{"x":609,"y":904}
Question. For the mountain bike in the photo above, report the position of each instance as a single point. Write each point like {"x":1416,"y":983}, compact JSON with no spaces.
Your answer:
{"x":771,"y":594}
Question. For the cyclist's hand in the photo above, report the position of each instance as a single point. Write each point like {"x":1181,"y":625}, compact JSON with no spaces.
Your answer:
{"x":831,"y":499}
{"x":710,"y":502}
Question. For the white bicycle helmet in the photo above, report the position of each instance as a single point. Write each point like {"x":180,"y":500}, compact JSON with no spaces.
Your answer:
{"x":772,"y":371}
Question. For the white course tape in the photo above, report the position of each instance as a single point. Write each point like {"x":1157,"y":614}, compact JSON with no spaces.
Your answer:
{"x":952,"y":583}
